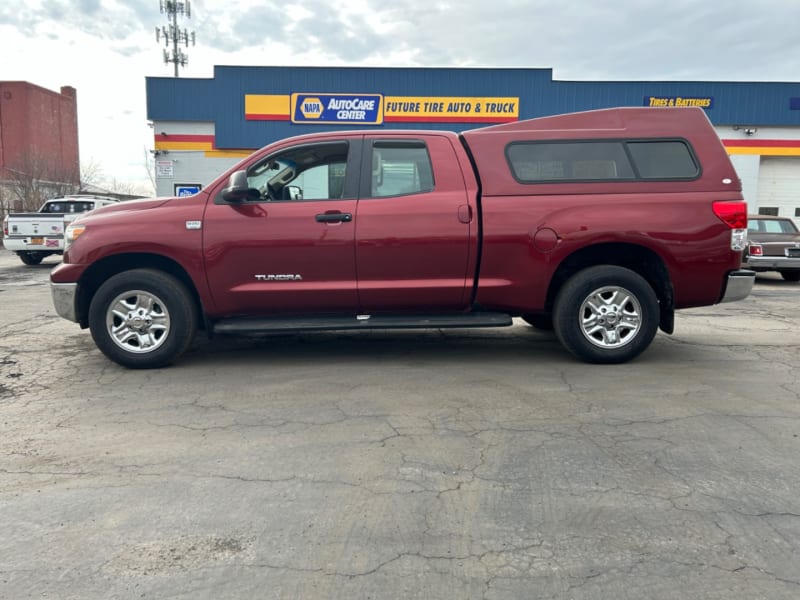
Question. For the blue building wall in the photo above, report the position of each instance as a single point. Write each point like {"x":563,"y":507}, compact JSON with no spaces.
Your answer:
{"x":221,"y":100}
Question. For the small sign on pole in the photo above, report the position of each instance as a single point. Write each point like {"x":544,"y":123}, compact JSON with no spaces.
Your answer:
{"x":186,"y":189}
{"x":164,"y":169}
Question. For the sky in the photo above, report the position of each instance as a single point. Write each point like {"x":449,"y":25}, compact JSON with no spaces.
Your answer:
{"x":106,"y":48}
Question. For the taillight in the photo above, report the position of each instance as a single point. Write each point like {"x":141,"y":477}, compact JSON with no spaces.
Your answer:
{"x":755,"y":250}
{"x":734,"y":215}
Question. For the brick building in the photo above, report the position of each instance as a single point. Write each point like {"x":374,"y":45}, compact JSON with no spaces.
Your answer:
{"x":38,"y":144}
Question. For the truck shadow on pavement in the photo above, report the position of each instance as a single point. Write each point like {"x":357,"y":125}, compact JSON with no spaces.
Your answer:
{"x":525,"y":345}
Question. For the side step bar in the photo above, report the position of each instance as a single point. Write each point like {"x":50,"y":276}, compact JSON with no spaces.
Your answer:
{"x":245,"y":325}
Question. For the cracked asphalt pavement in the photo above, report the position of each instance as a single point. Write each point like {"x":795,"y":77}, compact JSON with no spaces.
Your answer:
{"x":463,"y":464}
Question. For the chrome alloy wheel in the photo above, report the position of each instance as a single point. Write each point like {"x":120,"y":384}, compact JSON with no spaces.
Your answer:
{"x":138,"y":321}
{"x":610,"y":317}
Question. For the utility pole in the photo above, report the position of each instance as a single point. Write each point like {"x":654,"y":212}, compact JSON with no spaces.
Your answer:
{"x":173,"y":35}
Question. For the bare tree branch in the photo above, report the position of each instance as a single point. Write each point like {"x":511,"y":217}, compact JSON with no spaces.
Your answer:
{"x":150,"y":167}
{"x":91,"y":173}
{"x":35,"y":179}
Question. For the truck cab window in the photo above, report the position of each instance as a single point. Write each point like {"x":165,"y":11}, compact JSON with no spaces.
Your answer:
{"x":400,"y":168}
{"x":308,"y":172}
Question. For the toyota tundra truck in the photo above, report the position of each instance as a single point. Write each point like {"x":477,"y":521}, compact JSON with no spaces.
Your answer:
{"x":597,"y":224}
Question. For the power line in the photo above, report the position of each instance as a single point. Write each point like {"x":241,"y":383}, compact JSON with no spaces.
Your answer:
{"x":173,"y":35}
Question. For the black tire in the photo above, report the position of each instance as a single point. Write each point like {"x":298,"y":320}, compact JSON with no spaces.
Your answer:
{"x":31,"y":258}
{"x":790,"y":275}
{"x":543,"y":322}
{"x":621,"y":326}
{"x":152,"y":308}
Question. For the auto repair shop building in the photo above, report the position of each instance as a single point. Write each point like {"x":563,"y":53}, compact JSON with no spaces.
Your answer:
{"x":203,"y":126}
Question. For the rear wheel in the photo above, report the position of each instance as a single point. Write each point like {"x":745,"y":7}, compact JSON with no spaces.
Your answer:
{"x":31,"y":258}
{"x":143,"y":319}
{"x":606,"y":314}
{"x":790,"y":275}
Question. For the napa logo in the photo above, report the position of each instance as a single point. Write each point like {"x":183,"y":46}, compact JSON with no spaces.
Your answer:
{"x":311,"y":108}
{"x":336,"y":109}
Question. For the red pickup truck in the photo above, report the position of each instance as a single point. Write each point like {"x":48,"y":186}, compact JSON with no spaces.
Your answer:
{"x":596,"y":224}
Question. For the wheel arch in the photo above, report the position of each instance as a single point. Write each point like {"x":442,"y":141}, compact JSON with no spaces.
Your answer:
{"x":637,"y":258}
{"x":96,"y":274}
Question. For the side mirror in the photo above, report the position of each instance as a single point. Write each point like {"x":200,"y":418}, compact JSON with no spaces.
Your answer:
{"x":238,"y":190}
{"x":295,"y":193}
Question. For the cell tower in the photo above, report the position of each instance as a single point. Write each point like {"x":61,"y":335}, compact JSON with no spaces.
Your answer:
{"x":173,"y":35}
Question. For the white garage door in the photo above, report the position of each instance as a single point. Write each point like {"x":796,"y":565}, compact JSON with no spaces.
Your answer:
{"x":779,"y":185}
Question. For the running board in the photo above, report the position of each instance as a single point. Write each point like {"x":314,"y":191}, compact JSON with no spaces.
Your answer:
{"x":245,"y":325}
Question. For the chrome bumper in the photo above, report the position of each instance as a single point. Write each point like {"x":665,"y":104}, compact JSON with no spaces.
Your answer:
{"x":64,"y":296}
{"x":771,"y":263}
{"x":740,"y":284}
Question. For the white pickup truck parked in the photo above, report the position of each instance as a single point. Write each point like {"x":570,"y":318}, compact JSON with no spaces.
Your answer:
{"x":33,"y":236}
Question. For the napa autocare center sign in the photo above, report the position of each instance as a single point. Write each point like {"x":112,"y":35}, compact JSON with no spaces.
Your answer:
{"x":365,"y":109}
{"x":376,"y":109}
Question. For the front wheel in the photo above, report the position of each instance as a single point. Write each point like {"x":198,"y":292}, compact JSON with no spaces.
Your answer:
{"x":790,"y":275}
{"x":606,"y":314}
{"x":142,"y":319}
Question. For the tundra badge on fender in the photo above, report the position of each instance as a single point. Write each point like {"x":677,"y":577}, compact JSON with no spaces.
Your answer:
{"x":281,"y":277}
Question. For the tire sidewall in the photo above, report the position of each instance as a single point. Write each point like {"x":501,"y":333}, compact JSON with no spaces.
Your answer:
{"x":566,"y":315}
{"x":177,"y":300}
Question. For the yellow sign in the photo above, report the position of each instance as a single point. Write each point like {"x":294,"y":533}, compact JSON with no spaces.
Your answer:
{"x":669,"y":101}
{"x":442,"y":109}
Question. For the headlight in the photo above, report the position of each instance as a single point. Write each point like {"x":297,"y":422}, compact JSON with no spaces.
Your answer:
{"x":72,"y":233}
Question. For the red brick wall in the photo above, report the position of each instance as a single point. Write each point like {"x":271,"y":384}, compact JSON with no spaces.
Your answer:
{"x":39,"y":130}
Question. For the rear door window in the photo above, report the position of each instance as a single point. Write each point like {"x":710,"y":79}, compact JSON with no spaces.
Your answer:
{"x":400,"y":168}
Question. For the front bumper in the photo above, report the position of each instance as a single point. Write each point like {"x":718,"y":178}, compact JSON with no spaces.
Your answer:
{"x":739,"y":285}
{"x":64,"y":297}
{"x":771,"y":263}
